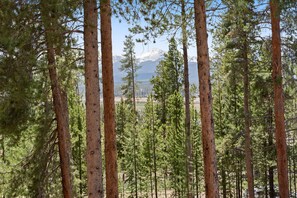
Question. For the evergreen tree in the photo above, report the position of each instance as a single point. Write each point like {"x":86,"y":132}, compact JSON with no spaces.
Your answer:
{"x":280,"y":134}
{"x":94,"y":155}
{"x":152,"y":138}
{"x":108,"y":100}
{"x":49,"y":19}
{"x":209,"y":153}
{"x":129,"y":89}
{"x":168,"y":78}
{"x":129,"y":66}
{"x":176,"y":137}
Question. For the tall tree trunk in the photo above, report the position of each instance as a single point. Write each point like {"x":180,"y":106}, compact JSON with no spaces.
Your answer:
{"x":189,"y":171}
{"x":108,"y":98}
{"x":280,"y":133}
{"x":247,"y":123}
{"x":154,"y":150}
{"x":133,"y":68}
{"x":62,"y":116}
{"x":94,"y":153}
{"x":209,"y":152}
{"x":134,"y":127}
{"x":271,"y":182}
{"x":60,"y":106}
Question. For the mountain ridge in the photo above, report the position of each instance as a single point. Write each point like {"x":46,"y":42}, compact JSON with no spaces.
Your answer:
{"x":148,"y":63}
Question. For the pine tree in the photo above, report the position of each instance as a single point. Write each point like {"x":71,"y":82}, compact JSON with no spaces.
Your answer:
{"x":187,"y":102}
{"x":129,"y":89}
{"x":280,"y":133}
{"x":153,"y":138}
{"x":108,"y":98}
{"x":209,"y":152}
{"x":168,"y":80}
{"x":129,"y":66}
{"x":176,"y":137}
{"x":94,"y":156}
{"x":59,"y":98}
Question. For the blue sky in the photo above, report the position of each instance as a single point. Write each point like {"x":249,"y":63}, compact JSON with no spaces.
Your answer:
{"x":120,"y":30}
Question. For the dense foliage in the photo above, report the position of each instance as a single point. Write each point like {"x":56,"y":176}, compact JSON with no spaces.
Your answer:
{"x":152,"y":153}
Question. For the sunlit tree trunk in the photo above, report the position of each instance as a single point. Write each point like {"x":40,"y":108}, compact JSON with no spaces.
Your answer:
{"x":108,"y":99}
{"x":60,"y":104}
{"x":280,"y":133}
{"x":94,"y":153}
{"x":208,"y":141}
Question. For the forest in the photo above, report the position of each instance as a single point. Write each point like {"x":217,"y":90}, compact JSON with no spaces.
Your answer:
{"x":65,"y":133}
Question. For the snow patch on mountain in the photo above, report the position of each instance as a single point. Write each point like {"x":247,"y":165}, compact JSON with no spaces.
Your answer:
{"x":152,"y":55}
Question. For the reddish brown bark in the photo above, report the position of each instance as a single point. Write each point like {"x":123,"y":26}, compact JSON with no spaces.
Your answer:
{"x":94,"y":153}
{"x":108,"y":98}
{"x":280,"y":133}
{"x":247,"y":123}
{"x":209,"y":153}
{"x":62,"y":117}
{"x":60,"y":107}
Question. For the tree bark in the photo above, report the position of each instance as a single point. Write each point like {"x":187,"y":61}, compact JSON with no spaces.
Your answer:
{"x":247,"y":123}
{"x":189,"y":171}
{"x":60,"y":107}
{"x":62,"y":117}
{"x":209,"y":153}
{"x":280,"y":134}
{"x":108,"y":99}
{"x":94,"y":153}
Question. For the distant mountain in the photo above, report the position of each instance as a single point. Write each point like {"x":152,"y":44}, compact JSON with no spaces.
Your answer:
{"x":152,"y":55}
{"x":148,"y":62}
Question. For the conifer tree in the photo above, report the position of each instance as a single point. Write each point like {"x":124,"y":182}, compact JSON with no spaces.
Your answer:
{"x":167,"y":82}
{"x":129,"y":66}
{"x":176,"y":137}
{"x":209,"y":152}
{"x":108,"y":100}
{"x":94,"y":158}
{"x":150,"y":126}
{"x":129,"y":90}
{"x":49,"y":19}
{"x":279,"y":112}
{"x":168,"y":78}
